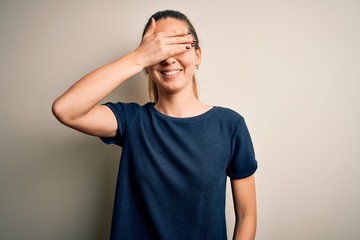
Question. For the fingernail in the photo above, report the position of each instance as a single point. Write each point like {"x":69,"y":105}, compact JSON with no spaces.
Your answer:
{"x":187,"y":47}
{"x":189,"y":32}
{"x":194,"y":40}
{"x":193,"y":44}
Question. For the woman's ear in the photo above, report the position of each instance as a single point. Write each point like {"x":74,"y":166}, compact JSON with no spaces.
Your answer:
{"x":198,"y":56}
{"x":146,"y":71}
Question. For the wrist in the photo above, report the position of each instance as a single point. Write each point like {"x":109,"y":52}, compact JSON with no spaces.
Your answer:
{"x":136,"y":60}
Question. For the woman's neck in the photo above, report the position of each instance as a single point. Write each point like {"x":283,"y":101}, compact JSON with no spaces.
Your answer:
{"x":181,"y":106}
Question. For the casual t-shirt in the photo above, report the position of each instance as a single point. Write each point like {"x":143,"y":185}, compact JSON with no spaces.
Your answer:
{"x":172,"y":175}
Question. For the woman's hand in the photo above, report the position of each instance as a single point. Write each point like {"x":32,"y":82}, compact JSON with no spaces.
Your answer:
{"x":156,"y":47}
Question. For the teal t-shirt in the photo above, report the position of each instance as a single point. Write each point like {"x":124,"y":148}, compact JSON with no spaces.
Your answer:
{"x":172,"y":175}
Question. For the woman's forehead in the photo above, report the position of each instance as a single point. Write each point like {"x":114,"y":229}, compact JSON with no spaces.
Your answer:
{"x":170,"y":24}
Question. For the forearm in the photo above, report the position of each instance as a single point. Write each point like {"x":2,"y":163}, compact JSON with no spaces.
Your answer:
{"x":245,"y":228}
{"x":92,"y":88}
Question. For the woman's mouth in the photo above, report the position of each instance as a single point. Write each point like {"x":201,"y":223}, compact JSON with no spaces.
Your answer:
{"x":170,"y":73}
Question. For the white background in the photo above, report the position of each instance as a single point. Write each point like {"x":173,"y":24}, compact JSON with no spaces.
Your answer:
{"x":291,"y":68}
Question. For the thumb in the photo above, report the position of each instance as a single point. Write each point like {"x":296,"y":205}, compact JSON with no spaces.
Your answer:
{"x":151,"y":28}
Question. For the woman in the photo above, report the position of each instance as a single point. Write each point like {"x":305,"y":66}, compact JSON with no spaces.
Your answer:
{"x":176,"y":150}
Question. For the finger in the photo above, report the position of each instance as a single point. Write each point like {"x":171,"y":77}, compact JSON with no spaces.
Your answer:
{"x":175,"y":33}
{"x":179,"y":49}
{"x":180,"y":40}
{"x":151,"y":28}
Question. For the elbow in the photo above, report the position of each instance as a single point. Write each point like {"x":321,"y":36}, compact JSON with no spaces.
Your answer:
{"x":59,"y":111}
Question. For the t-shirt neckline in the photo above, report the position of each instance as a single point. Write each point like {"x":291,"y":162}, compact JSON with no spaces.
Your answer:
{"x":197,"y":117}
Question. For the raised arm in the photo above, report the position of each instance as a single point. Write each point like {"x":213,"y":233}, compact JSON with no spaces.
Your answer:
{"x":245,"y":208}
{"x":79,"y":106}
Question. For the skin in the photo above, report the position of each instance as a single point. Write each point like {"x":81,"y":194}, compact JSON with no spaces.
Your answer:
{"x":166,"y":46}
{"x":244,"y":197}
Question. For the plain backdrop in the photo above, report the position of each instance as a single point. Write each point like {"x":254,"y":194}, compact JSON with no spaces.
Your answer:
{"x":291,"y":68}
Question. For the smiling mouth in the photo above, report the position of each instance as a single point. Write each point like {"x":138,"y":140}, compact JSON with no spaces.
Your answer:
{"x":170,"y":73}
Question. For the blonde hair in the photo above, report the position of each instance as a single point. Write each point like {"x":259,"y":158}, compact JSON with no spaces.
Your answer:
{"x":154,"y":92}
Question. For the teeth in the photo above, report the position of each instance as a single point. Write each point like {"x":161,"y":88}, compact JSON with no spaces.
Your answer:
{"x":171,"y":73}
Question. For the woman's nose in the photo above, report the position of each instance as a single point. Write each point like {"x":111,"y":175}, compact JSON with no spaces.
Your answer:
{"x":168,"y":61}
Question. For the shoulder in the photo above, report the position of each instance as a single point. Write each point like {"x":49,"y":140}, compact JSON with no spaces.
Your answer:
{"x":228,"y":120}
{"x":126,"y":108}
{"x":228,"y":114}
{"x":125,"y":113}
{"x":122,"y":105}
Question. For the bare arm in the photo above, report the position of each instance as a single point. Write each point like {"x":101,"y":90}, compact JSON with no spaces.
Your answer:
{"x":245,"y":208}
{"x":79,"y":106}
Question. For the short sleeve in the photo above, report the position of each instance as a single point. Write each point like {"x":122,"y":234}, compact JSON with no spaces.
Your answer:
{"x":242,"y":162}
{"x":123,"y":112}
